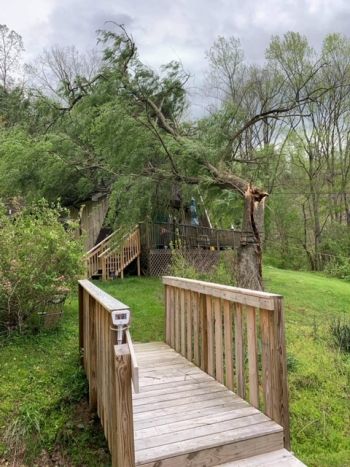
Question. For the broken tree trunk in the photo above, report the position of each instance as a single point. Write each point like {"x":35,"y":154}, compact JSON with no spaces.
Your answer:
{"x":249,"y":255}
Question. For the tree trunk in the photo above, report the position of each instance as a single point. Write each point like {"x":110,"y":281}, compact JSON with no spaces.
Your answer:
{"x":249,"y":256}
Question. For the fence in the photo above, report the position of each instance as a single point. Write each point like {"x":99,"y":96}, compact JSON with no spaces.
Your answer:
{"x":236,"y":336}
{"x":110,"y":368}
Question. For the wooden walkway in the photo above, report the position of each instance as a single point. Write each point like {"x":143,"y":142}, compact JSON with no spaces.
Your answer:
{"x":214,"y":394}
{"x":184,"y":417}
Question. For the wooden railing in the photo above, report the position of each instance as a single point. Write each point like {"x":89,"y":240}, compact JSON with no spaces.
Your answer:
{"x":236,"y":336}
{"x":109,"y":368}
{"x":93,"y":256}
{"x":164,"y":235}
{"x":115,"y":259}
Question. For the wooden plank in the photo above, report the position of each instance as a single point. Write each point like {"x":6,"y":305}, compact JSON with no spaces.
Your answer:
{"x":81,"y":323}
{"x":210,"y":338}
{"x":183,"y":322}
{"x":193,"y":423}
{"x":123,"y":450}
{"x":209,"y":402}
{"x":167,"y":315}
{"x":228,"y":339}
{"x":281,"y":371}
{"x":180,"y":389}
{"x":210,"y":409}
{"x":157,"y":379}
{"x":195,"y":311}
{"x":219,"y":363}
{"x":280,"y":457}
{"x":234,"y":294}
{"x":217,"y":455}
{"x":210,"y":441}
{"x":199,"y":379}
{"x":92,"y":355}
{"x":252,"y":357}
{"x":189,"y":326}
{"x":266,"y":324}
{"x":172,"y":317}
{"x":204,"y":332}
{"x":174,"y":396}
{"x":177,"y":320}
{"x":134,"y":365}
{"x":191,"y":435}
{"x":107,"y":301}
{"x":239,"y":351}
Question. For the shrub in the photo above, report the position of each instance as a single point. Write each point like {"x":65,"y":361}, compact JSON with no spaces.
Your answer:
{"x":341,"y":334}
{"x":39,"y":262}
{"x":222,"y":273}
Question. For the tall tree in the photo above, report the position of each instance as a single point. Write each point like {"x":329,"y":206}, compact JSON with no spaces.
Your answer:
{"x":11,"y":47}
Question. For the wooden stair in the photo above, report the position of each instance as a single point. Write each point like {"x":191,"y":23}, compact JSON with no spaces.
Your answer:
{"x":278,"y":458}
{"x":184,"y":417}
{"x":109,"y":259}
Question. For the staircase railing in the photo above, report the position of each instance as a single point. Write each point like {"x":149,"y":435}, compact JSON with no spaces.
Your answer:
{"x":93,"y":256}
{"x":113,"y":260}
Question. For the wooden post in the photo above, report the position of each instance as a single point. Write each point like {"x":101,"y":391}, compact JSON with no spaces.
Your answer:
{"x":281,"y":408}
{"x":93,"y":354}
{"x":204,"y":331}
{"x":81,"y":322}
{"x":138,"y":266}
{"x":123,"y":449}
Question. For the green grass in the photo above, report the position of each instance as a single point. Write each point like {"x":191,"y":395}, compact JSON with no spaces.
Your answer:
{"x":43,"y":409}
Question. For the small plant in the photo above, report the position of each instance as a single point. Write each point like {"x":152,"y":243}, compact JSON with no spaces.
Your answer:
{"x":341,"y":334}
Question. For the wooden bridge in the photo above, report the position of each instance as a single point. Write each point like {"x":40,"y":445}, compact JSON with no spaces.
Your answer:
{"x":215,"y":393}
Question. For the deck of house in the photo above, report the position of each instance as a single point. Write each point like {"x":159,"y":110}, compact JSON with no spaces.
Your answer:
{"x":150,"y":245}
{"x":205,"y":397}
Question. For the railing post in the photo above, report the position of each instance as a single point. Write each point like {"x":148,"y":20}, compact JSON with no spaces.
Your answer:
{"x":81,"y":322}
{"x":281,"y":408}
{"x":93,"y":354}
{"x":123,"y":449}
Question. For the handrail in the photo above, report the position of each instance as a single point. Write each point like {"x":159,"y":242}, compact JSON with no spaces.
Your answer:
{"x":110,"y":368}
{"x":222,"y":329}
{"x":105,"y":240}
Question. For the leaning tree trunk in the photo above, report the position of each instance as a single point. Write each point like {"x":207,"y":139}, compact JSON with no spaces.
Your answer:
{"x":249,"y":255}
{"x":248,"y":266}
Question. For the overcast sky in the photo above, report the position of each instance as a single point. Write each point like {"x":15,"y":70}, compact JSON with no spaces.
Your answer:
{"x":173,"y":29}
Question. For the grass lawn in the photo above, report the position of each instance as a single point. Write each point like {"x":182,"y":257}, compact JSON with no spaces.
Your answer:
{"x":44,"y":419}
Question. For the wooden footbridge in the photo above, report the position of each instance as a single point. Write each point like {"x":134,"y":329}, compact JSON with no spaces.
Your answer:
{"x":215,"y":393}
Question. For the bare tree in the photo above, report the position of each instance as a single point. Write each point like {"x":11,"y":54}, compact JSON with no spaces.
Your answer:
{"x":64,"y":73}
{"x":11,"y":47}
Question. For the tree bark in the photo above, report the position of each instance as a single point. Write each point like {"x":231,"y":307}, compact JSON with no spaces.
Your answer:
{"x":249,"y":255}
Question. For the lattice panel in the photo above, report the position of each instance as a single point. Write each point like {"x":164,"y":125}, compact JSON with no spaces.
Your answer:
{"x":159,"y":261}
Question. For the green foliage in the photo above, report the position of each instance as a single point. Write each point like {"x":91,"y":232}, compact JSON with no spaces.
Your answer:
{"x":44,"y":413}
{"x":222,"y":273}
{"x":341,"y":334}
{"x":40,"y":261}
{"x":46,"y":174}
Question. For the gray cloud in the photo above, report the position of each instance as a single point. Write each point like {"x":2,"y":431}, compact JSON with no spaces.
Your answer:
{"x":175,"y":29}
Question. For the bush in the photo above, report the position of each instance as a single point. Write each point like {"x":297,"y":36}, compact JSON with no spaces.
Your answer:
{"x":338,"y":267}
{"x":222,"y":273}
{"x":341,"y":334}
{"x":40,"y":261}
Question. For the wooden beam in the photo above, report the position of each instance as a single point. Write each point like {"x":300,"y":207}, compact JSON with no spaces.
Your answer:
{"x":123,"y":449}
{"x":234,"y":294}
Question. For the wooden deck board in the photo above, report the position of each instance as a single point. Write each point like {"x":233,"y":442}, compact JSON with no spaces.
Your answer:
{"x":281,"y":457}
{"x":182,"y":416}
